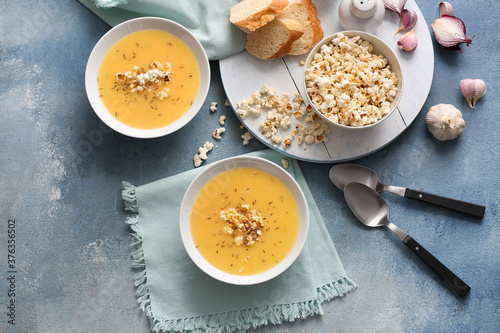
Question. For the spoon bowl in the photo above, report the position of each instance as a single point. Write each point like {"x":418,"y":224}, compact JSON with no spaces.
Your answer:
{"x":343,"y":174}
{"x":372,"y":210}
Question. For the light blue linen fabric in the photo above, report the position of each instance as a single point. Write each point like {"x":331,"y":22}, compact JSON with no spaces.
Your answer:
{"x":178,"y":297}
{"x":208,"y":20}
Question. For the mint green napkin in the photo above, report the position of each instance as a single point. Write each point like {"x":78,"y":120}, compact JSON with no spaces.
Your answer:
{"x":208,"y":20}
{"x":177,"y":296}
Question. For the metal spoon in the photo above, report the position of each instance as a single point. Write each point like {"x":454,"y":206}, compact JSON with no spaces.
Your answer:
{"x":372,"y":210}
{"x":343,"y":174}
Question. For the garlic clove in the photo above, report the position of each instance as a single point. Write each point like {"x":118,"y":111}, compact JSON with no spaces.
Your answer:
{"x":408,"y":42}
{"x":445,"y":8}
{"x":472,"y":90}
{"x":449,"y":31}
{"x":467,"y":89}
{"x":480,"y":91}
{"x":445,"y":122}
{"x":395,"y":5}
{"x":407,"y":20}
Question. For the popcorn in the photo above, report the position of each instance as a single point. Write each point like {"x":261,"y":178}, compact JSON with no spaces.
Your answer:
{"x":222,"y":120}
{"x":213,"y":106}
{"x":267,"y":90}
{"x":285,"y":163}
{"x":350,"y":85}
{"x":245,"y":225}
{"x":278,"y":118}
{"x":140,"y":79}
{"x":217,"y":132}
{"x":248,"y":107}
{"x":202,"y":153}
{"x":197,"y":160}
{"x":246,"y":138}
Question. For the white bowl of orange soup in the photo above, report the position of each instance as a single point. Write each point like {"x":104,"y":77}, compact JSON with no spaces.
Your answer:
{"x":147,"y":77}
{"x":244,"y":220}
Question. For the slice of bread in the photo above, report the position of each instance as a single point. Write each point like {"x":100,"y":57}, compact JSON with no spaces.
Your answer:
{"x":275,"y":39}
{"x":249,"y":15}
{"x":304,"y":12}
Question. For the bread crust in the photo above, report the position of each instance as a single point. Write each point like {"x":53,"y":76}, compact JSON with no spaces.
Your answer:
{"x":258,"y":19}
{"x":314,"y":23}
{"x":295,"y":31}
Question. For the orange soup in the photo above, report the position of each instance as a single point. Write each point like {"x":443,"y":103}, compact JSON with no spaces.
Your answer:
{"x":244,"y":221}
{"x":149,"y":79}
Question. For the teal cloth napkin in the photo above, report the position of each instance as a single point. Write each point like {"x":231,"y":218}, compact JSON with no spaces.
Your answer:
{"x":178,"y":297}
{"x":208,"y":20}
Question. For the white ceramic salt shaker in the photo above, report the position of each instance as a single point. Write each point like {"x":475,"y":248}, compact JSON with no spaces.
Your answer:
{"x":364,"y":15}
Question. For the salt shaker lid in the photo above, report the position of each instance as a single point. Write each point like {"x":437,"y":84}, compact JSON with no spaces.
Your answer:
{"x":363,"y":8}
{"x":365,"y":15}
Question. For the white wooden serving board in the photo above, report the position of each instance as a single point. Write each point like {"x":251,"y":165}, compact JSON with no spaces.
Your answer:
{"x":243,"y":73}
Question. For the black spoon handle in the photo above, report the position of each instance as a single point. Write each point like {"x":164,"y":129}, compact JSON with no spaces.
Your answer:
{"x":458,"y":286}
{"x":461,"y":206}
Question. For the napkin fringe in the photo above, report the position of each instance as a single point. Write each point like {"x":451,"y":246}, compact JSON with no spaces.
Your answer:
{"x":137,"y":252}
{"x":335,"y":289}
{"x":240,"y":320}
{"x":129,"y":197}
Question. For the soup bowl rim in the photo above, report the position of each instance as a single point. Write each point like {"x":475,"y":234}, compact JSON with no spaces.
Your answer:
{"x":122,"y":30}
{"x":207,"y":174}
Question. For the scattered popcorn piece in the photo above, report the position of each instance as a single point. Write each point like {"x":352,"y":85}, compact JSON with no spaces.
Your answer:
{"x":222,"y":120}
{"x":285,"y":163}
{"x":163,"y":94}
{"x":309,"y":139}
{"x":197,"y":160}
{"x":248,"y":107}
{"x":267,"y":90}
{"x":202,"y":153}
{"x":217,"y":132}
{"x":302,"y":62}
{"x":246,"y":138}
{"x":349,"y":84}
{"x":226,"y":103}
{"x":205,"y":149}
{"x":213,"y":106}
{"x":279,"y":111}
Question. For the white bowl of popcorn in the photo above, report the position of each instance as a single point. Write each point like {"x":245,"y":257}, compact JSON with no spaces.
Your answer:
{"x":353,"y":79}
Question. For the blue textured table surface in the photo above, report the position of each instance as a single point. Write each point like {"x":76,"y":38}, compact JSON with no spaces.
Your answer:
{"x":61,"y":173}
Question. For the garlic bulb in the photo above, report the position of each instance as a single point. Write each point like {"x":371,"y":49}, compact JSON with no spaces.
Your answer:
{"x":445,"y":122}
{"x":472,"y":90}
